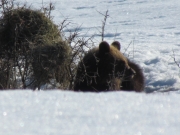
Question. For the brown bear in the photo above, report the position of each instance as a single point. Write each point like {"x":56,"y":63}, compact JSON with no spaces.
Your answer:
{"x":106,"y":69}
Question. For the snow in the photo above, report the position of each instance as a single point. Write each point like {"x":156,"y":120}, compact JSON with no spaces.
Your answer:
{"x":152,"y":30}
{"x":150,"y":27}
{"x":69,"y":113}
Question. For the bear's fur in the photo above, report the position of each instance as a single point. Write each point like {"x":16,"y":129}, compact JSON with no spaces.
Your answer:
{"x":105,"y":69}
{"x":137,"y":82}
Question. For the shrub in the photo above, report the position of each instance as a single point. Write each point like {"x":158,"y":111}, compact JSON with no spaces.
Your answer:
{"x":32,"y":44}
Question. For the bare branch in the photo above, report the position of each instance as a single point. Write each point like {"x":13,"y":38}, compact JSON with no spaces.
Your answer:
{"x":103,"y":24}
{"x":174,"y":58}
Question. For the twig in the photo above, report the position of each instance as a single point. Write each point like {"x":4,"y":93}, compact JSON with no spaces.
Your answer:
{"x":174,"y":58}
{"x":103,"y":23}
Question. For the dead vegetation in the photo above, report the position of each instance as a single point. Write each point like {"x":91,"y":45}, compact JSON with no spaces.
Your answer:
{"x":34,"y":51}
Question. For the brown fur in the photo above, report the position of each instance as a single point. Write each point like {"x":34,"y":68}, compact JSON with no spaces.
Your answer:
{"x":137,"y":82}
{"x":102,"y":69}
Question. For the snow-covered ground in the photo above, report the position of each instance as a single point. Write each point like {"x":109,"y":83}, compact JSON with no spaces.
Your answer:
{"x":153,"y":28}
{"x":150,"y":27}
{"x":70,"y":113}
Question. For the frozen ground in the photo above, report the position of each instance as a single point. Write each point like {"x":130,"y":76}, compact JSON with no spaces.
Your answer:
{"x":153,"y":28}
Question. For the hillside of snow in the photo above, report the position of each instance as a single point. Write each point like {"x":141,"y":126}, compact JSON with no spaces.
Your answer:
{"x":149,"y":30}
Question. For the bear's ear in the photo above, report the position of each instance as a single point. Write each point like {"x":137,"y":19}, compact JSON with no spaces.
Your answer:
{"x":117,"y":45}
{"x":104,"y":47}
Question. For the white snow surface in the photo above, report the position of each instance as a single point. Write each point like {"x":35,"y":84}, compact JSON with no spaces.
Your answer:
{"x":153,"y":28}
{"x":69,"y":113}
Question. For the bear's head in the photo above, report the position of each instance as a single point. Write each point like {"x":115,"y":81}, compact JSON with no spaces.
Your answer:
{"x":103,"y":69}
